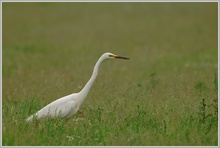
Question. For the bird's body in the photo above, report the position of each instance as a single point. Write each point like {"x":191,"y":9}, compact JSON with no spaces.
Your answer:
{"x":66,"y":106}
{"x":62,"y":108}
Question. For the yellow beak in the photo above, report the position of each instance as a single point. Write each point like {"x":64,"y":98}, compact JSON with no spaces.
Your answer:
{"x":119,"y":57}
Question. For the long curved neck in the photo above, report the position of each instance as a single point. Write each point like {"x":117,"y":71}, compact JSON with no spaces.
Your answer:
{"x":84,"y":92}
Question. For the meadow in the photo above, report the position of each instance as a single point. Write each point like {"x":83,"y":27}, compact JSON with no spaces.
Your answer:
{"x":165,"y":95}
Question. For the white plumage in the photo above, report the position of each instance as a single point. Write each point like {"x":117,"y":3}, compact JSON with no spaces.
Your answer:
{"x":66,"y":106}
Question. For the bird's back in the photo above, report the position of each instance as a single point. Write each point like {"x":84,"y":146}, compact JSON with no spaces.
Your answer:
{"x":59,"y":108}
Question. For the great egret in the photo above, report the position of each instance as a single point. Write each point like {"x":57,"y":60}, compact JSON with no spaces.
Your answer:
{"x":66,"y":106}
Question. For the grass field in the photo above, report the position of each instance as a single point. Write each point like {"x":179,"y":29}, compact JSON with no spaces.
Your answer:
{"x":166,"y":94}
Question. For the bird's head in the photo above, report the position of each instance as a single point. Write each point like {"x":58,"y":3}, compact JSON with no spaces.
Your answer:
{"x":111,"y":55}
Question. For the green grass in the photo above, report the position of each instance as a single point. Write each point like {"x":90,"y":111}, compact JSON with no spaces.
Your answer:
{"x":165,"y":95}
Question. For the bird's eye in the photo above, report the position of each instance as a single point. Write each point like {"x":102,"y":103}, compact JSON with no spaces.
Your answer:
{"x":111,"y":55}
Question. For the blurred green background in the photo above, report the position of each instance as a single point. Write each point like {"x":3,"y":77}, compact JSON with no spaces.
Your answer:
{"x":49,"y":50}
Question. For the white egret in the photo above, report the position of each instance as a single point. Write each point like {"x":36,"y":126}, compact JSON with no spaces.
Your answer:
{"x":66,"y":106}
